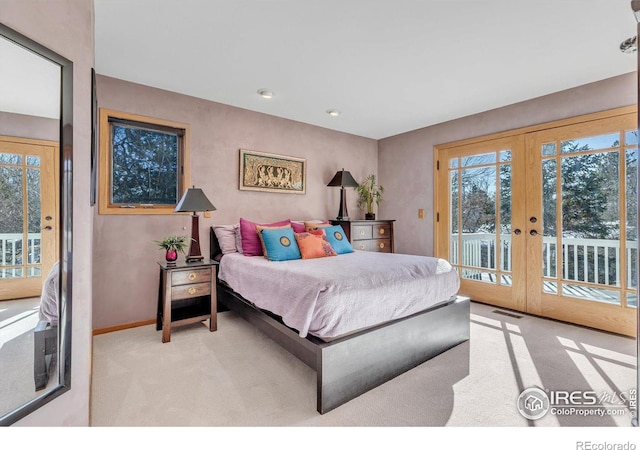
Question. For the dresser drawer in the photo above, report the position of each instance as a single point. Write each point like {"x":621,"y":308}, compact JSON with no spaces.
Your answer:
{"x":381,"y":231}
{"x":380,"y":245}
{"x":190,"y":276}
{"x":364,"y":245}
{"x":361,"y":232}
{"x":190,"y":291}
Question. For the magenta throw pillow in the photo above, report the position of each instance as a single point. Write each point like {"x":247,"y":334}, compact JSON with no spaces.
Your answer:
{"x":298,"y":227}
{"x":251,"y":245}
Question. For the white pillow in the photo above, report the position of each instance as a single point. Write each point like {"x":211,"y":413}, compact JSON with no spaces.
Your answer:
{"x":238,"y":239}
{"x":226,"y":235}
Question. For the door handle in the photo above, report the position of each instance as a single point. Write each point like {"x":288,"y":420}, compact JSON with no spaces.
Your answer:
{"x":533,"y":233}
{"x":517,"y":231}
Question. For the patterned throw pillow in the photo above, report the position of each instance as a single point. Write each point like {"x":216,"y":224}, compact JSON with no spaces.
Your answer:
{"x":338,"y":240}
{"x":300,"y":226}
{"x":259,"y":229}
{"x":314,"y":246}
{"x":280,"y":244}
{"x":315,"y":225}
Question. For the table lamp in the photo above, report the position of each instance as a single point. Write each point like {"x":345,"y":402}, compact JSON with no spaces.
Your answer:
{"x":194,"y":201}
{"x":343,"y":179}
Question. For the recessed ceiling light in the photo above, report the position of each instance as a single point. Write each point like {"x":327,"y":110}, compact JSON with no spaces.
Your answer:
{"x":333,"y":112}
{"x":265,"y":93}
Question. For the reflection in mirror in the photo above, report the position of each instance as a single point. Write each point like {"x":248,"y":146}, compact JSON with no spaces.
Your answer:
{"x":34,"y":229}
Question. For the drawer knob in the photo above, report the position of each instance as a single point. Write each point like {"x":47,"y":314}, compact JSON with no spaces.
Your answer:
{"x":381,"y":244}
{"x":361,"y":246}
{"x":192,"y":276}
{"x":362,"y":232}
{"x":381,"y":230}
{"x":192,"y":290}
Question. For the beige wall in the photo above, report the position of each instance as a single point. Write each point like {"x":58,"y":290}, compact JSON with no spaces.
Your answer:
{"x":125,"y":273}
{"x":406,"y":161}
{"x":32,"y":127}
{"x":66,"y":27}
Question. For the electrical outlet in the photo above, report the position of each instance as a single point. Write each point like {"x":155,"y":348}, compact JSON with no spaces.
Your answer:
{"x":420,"y":213}
{"x":207,"y":214}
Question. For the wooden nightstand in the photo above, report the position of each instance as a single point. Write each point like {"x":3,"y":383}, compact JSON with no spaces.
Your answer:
{"x":186,"y":294}
{"x":369,"y":235}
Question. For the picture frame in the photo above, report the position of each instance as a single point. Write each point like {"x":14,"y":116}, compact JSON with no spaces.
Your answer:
{"x":268,"y":172}
{"x":94,"y":139}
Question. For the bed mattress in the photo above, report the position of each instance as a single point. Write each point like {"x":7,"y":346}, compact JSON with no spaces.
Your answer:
{"x":334,"y":296}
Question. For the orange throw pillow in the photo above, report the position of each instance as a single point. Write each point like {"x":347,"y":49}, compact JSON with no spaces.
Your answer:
{"x":313,"y":246}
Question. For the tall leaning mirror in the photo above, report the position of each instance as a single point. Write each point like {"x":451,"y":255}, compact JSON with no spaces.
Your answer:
{"x":35,"y":225}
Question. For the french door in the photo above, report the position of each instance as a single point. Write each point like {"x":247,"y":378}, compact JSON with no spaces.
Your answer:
{"x":28,"y":215}
{"x":544,"y":221}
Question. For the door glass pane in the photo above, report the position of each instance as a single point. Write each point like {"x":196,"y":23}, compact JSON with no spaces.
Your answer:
{"x":10,"y":158}
{"x":454,"y":219}
{"x":631,"y":137}
{"x":505,"y":217}
{"x":549,"y":149}
{"x":591,"y":143}
{"x":453,"y":163}
{"x":591,"y":293}
{"x":549,"y":216}
{"x":505,"y":155}
{"x":11,"y":220}
{"x":476,"y":160}
{"x":33,"y":161}
{"x":632,"y":299}
{"x":590,"y":221}
{"x":478,"y":218}
{"x":34,"y":218}
{"x":479,"y":275}
{"x":632,"y":217}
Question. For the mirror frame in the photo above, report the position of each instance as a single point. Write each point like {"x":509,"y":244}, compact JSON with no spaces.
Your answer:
{"x":66,"y":216}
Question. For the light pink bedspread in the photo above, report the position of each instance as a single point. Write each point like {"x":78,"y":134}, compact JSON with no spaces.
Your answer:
{"x":334,"y":296}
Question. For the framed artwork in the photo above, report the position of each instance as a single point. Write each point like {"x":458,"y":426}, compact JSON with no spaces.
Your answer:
{"x":94,"y":139}
{"x":267,"y":172}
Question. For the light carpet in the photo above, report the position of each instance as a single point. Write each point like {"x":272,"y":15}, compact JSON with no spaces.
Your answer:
{"x":18,"y":319}
{"x":237,"y":376}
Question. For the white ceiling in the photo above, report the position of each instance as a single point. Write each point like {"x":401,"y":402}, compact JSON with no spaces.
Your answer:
{"x":29,"y":83}
{"x":389,"y":66}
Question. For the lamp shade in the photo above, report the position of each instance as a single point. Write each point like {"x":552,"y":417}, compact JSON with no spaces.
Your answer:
{"x":194,"y":200}
{"x":343,"y":178}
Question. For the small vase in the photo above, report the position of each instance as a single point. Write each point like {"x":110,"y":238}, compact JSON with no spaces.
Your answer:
{"x":370,"y":216}
{"x":171,"y":256}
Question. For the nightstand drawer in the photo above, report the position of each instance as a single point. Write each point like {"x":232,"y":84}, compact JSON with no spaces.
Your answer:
{"x":361,"y":232}
{"x":190,"y":276}
{"x":190,"y":291}
{"x":380,"y":245}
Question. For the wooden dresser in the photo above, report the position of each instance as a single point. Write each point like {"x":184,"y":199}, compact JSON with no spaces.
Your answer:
{"x":369,"y":235}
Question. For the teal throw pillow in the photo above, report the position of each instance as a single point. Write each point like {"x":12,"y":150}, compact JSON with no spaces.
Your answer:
{"x":338,"y":240}
{"x":280,"y":244}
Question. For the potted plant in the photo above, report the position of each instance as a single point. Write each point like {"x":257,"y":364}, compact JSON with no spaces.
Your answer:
{"x":172,"y":245}
{"x":368,"y":193}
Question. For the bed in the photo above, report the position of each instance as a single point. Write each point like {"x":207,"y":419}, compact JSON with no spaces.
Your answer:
{"x":365,"y":344}
{"x":45,"y":335}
